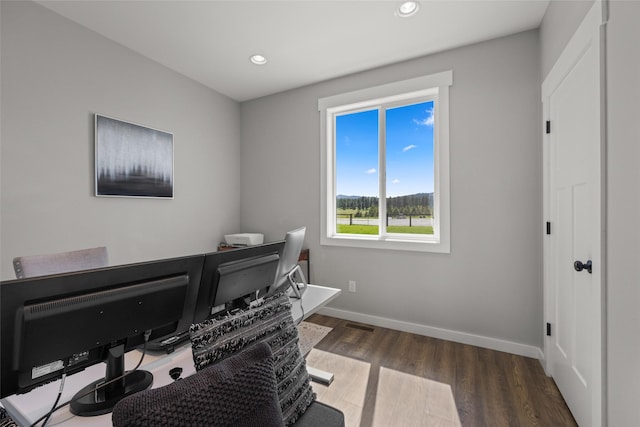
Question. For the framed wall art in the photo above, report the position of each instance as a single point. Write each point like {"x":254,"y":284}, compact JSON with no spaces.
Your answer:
{"x":132,"y":160}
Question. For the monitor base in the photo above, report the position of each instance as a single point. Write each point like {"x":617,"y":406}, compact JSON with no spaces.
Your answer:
{"x":96,"y":403}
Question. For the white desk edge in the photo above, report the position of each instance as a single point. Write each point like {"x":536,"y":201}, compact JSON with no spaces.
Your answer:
{"x":27,"y":408}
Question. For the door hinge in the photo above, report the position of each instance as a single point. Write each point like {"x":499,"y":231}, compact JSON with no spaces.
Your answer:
{"x":548,"y":126}
{"x":548,"y":329}
{"x":548,"y":227}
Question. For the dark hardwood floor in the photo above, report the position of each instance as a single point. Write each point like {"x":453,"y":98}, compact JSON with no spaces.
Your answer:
{"x":490,"y":388}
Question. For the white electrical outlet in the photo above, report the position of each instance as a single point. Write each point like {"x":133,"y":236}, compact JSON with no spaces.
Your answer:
{"x":352,"y":285}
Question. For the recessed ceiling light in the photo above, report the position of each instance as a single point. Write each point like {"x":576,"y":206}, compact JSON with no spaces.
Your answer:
{"x":407,"y":9}
{"x":258,"y":59}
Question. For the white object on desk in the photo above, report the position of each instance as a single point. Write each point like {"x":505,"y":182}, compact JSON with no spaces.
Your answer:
{"x":244,"y":239}
{"x":27,"y":408}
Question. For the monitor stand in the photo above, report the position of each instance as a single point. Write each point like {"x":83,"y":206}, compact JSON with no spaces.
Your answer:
{"x":89,"y":402}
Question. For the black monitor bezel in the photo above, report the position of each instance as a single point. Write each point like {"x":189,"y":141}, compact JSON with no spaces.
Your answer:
{"x":251,"y":276}
{"x":210,"y":277}
{"x":15,"y":294}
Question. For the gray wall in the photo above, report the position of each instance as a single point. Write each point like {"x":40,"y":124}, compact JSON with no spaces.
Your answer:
{"x":623,"y":210}
{"x":561,"y":20}
{"x":491,"y":283}
{"x":55,"y":76}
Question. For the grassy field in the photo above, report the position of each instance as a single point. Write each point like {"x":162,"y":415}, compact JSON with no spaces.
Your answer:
{"x":373,"y":229}
{"x":343,"y":213}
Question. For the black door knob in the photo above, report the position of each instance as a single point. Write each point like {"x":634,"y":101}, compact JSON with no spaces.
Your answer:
{"x":579,"y":266}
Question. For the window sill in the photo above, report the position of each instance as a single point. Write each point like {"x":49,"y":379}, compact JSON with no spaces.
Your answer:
{"x":388,"y":243}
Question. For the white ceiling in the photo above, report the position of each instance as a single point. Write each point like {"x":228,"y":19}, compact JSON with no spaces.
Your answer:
{"x":305,"y":41}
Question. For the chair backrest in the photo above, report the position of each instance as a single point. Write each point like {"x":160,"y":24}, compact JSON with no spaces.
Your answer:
{"x":290,"y":254}
{"x":63,"y":262}
{"x":239,"y":391}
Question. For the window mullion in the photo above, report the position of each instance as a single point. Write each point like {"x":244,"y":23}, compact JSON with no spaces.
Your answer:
{"x":382,"y":167}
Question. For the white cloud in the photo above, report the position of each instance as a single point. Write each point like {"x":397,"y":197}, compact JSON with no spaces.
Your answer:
{"x":370,"y":171}
{"x":409,"y":147}
{"x":428,"y":121}
{"x":395,"y":181}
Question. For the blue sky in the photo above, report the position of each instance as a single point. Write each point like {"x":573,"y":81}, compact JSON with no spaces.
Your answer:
{"x":409,"y":151}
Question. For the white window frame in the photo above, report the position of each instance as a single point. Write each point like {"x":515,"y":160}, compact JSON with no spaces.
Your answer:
{"x":434,"y":86}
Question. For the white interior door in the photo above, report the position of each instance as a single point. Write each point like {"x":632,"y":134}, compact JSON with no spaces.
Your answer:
{"x":572,"y":103}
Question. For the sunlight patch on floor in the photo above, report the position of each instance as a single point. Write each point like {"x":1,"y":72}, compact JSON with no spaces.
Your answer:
{"x":401,"y":399}
{"x":349,"y":386}
{"x":408,"y":400}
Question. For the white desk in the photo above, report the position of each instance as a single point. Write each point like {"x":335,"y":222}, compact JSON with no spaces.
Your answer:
{"x":26,"y":408}
{"x":313,"y":299}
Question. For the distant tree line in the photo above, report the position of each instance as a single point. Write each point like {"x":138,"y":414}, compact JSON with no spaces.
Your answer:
{"x":367,"y":206}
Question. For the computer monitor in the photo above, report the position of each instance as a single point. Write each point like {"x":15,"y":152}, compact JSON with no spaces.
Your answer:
{"x":242,"y":278}
{"x":289,"y":272}
{"x":62,"y":324}
{"x":234,"y":277}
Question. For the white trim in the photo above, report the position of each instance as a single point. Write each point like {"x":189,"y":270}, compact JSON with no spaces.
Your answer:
{"x":434,"y":332}
{"x":434,"y":85}
{"x":391,"y":90}
{"x":589,"y":33}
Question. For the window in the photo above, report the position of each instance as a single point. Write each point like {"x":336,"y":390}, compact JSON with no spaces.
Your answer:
{"x":385,"y":166}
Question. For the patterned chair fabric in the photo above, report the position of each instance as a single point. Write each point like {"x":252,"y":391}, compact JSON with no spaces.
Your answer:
{"x":270,"y":322}
{"x":239,"y":391}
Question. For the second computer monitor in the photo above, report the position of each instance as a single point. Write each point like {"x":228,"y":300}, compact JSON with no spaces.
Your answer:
{"x":230,"y":276}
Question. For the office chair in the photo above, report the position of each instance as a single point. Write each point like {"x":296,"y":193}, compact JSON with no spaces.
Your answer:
{"x":288,"y":268}
{"x":5,"y":419}
{"x":239,"y":391}
{"x":64,"y":262}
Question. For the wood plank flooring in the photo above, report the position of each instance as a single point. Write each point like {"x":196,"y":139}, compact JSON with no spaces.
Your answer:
{"x":390,"y":378}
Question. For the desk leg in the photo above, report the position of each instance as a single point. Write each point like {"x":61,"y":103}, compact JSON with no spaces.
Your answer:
{"x":320,"y":376}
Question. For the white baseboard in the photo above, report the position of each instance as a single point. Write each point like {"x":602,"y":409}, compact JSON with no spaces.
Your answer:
{"x":445,"y":334}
